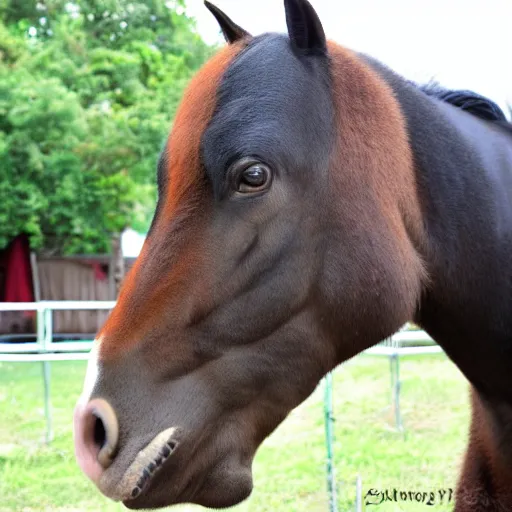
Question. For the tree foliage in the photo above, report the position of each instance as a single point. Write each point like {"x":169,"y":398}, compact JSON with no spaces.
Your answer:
{"x":87,"y":94}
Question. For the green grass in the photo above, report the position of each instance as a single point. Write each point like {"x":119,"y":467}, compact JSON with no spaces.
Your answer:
{"x":289,"y":469}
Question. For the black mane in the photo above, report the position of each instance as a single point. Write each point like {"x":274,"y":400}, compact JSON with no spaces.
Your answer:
{"x":470,"y":101}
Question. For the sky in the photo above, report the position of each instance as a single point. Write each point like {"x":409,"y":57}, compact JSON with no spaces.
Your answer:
{"x":465,"y":44}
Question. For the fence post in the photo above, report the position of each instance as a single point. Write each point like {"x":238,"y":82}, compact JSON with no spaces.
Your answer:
{"x":359,"y":494}
{"x":47,"y":402}
{"x":47,"y":331}
{"x":395,"y":383}
{"x":329,"y":437}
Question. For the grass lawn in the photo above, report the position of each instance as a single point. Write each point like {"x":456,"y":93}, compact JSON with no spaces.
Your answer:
{"x":289,"y":469}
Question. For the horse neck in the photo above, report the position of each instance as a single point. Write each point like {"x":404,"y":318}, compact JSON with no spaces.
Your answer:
{"x":462,"y":167}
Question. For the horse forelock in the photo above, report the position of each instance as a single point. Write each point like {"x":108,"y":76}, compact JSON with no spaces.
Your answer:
{"x":195,"y":112}
{"x":141,"y":299}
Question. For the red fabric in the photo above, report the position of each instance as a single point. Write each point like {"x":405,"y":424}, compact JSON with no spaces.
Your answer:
{"x":18,"y":282}
{"x":99,"y":274}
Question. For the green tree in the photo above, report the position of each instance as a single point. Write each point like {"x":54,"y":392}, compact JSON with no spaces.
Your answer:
{"x":87,"y":94}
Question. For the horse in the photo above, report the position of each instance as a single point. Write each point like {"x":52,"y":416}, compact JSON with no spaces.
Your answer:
{"x":311,"y":201}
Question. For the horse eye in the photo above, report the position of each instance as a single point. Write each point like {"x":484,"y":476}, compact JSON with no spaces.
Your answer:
{"x":254,"y":178}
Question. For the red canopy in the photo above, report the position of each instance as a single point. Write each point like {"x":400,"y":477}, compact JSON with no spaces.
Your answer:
{"x":18,"y":280}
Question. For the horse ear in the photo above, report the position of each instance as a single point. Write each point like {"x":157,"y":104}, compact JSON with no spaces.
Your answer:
{"x":304,"y":26}
{"x":232,"y":32}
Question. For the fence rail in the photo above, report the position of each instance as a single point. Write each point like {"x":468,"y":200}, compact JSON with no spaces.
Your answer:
{"x":45,"y":343}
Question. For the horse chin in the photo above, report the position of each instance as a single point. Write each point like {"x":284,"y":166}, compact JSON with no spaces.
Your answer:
{"x":226,"y":487}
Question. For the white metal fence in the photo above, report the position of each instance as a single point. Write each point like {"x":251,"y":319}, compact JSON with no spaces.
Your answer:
{"x":45,"y":349}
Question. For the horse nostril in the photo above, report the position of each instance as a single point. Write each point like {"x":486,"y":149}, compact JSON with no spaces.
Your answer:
{"x":96,"y":435}
{"x":100,"y":434}
{"x":100,"y":431}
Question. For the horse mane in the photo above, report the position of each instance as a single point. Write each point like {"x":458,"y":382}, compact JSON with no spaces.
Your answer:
{"x":470,"y":101}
